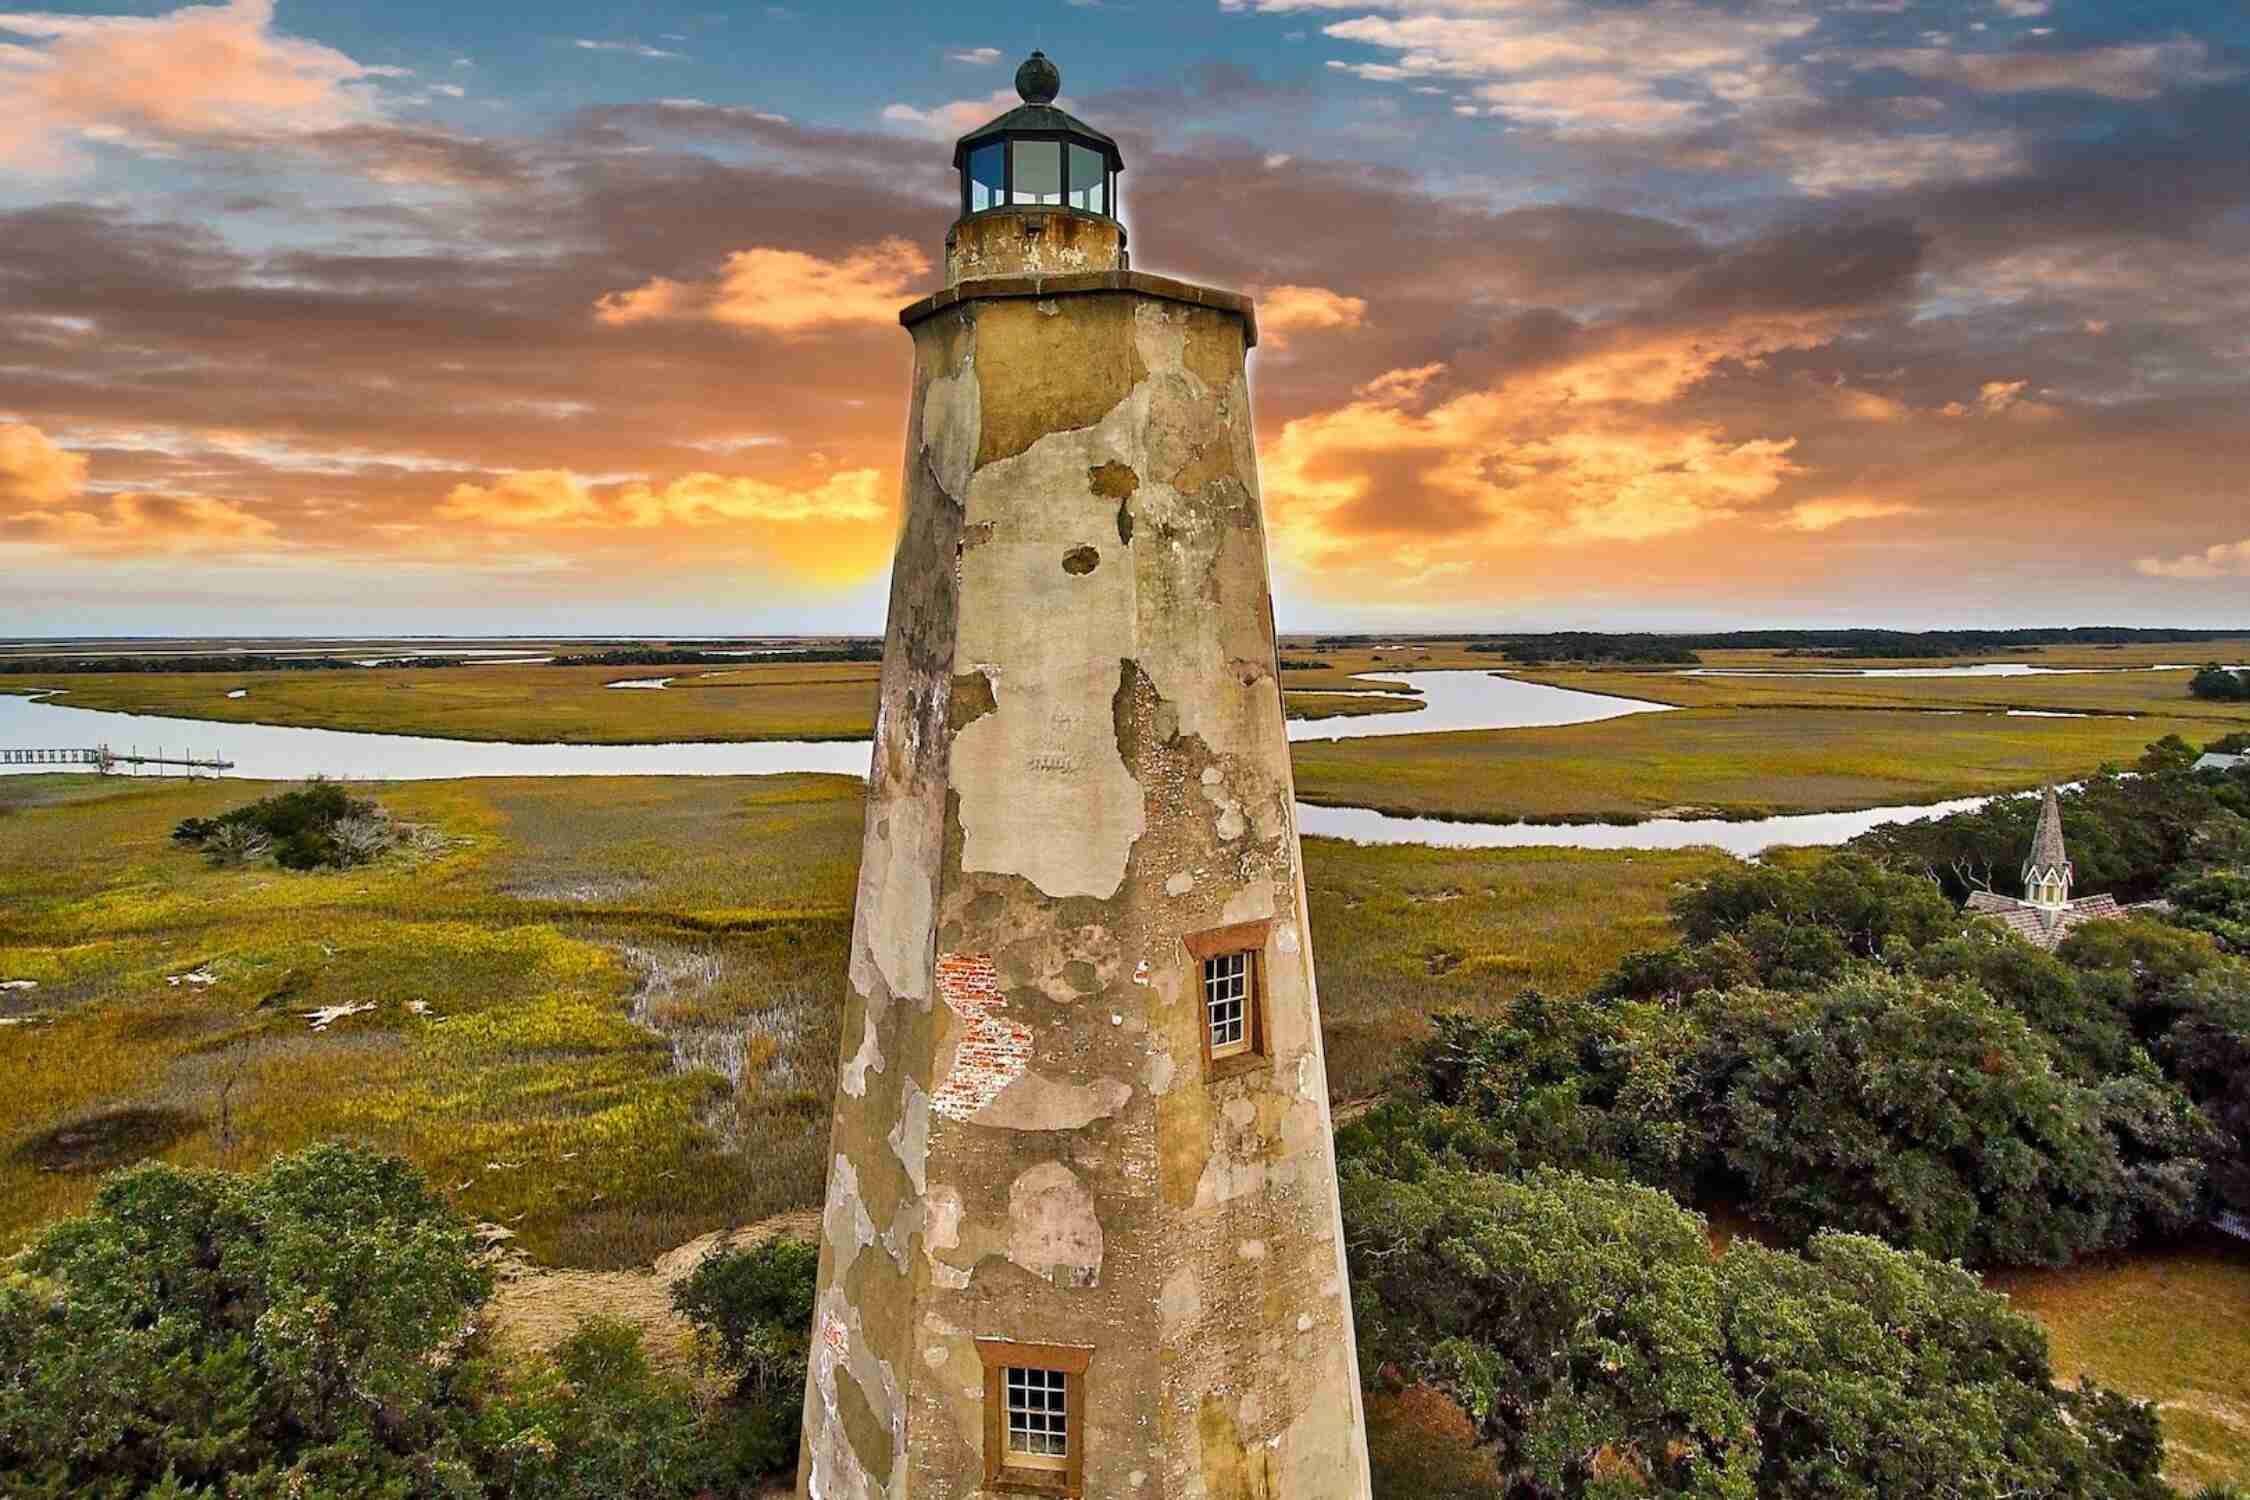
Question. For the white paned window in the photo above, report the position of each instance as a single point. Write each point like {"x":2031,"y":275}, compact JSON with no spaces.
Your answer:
{"x":1226,"y":1003}
{"x":1038,"y":1418}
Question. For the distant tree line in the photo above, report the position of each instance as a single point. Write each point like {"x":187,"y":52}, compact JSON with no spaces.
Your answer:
{"x":2220,"y":685}
{"x":246,"y":661}
{"x":2128,"y":835}
{"x":1842,"y":644}
{"x":1592,"y":648}
{"x":666,"y":656}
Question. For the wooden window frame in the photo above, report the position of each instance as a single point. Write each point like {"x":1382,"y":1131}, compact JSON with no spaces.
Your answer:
{"x":1234,"y":1007}
{"x":1249,"y":939}
{"x":999,"y":1355}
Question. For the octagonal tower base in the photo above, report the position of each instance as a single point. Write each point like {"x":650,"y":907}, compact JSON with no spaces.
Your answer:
{"x":1080,"y":801}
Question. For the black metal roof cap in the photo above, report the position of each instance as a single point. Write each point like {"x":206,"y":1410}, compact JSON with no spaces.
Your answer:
{"x":1038,"y":81}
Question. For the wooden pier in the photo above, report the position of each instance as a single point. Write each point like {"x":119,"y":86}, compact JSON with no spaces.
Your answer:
{"x":118,"y":763}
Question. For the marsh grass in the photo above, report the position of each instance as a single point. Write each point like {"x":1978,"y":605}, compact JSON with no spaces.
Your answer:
{"x":1717,"y":762}
{"x":603,"y":1012}
{"x":2168,"y":1324}
{"x":1400,"y":932}
{"x":2147,"y":694}
{"x":1315,"y":705}
{"x":570,"y":705}
{"x":498,"y":1045}
{"x":567,"y":705}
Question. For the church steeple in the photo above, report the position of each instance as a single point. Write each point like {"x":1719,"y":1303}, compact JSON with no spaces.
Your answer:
{"x":2047,"y":872}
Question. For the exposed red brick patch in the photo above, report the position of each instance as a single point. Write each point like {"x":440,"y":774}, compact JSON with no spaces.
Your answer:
{"x":995,"y":1051}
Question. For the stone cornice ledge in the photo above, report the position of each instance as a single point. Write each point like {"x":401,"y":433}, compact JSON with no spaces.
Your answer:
{"x":1086,"y":283}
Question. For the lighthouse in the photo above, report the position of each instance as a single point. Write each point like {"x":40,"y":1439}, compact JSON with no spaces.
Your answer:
{"x":1081,"y":1234}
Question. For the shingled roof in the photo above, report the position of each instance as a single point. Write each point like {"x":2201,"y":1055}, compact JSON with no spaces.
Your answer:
{"x":2047,"y":852}
{"x":2043,"y":926}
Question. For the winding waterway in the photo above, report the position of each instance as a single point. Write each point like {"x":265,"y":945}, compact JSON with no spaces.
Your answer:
{"x":1983,"y":669}
{"x":1471,"y":700}
{"x":1364,"y":825}
{"x":1452,"y":701}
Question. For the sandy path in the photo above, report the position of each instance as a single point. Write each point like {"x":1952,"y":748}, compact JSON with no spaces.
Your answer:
{"x":535,"y":1308}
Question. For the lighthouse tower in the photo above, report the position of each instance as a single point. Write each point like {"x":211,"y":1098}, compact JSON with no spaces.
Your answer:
{"x":1081,"y":1233}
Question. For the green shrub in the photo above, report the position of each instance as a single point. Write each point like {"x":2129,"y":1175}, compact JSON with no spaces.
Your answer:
{"x":752,"y":1310}
{"x":1922,"y":1113}
{"x":1916,"y":1109}
{"x":2083,"y":1020}
{"x":296,"y":1332}
{"x":316,"y":826}
{"x":2220,"y":685}
{"x":309,"y":1333}
{"x":2208,"y":1052}
{"x":1601,"y":1350}
{"x":2147,"y":968}
{"x":1864,"y":905}
{"x":596,"y":1423}
{"x":2128,"y":835}
{"x":1598,"y":1088}
{"x":2170,"y":753}
{"x":2216,"y":902}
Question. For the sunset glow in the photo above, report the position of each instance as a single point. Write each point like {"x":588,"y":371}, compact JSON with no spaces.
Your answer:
{"x":1574,"y":312}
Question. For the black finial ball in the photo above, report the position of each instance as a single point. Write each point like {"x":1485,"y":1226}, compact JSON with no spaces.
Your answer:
{"x":1038,"y":80}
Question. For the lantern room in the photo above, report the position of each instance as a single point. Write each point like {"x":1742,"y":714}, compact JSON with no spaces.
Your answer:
{"x":1037,"y":156}
{"x":1038,"y":190}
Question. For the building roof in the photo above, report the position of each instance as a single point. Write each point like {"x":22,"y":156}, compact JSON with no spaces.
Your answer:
{"x":2044,"y":926}
{"x":2047,"y":852}
{"x":2212,"y":760}
{"x":1038,"y":81}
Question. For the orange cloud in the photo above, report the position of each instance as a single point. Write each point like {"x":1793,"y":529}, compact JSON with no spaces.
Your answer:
{"x":528,"y":499}
{"x":835,"y":530}
{"x":1824,"y":515}
{"x":1869,"y":406}
{"x":199,"y":73}
{"x":2002,"y":398}
{"x":539,"y":499}
{"x":945,"y":121}
{"x":136,"y":524}
{"x":33,"y":471}
{"x":781,"y":291}
{"x":852,"y":497}
{"x":1284,"y":310}
{"x":2226,"y":560}
{"x":1407,"y":487}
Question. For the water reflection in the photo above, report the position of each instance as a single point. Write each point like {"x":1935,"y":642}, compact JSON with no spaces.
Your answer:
{"x":275,"y":752}
{"x":1986,"y":669}
{"x":1364,"y":825}
{"x":1472,"y":700}
{"x":1454,"y":701}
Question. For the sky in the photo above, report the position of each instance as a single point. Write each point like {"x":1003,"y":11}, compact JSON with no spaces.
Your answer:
{"x":328,"y":318}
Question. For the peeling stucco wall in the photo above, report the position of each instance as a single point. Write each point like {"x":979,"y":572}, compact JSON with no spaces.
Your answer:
{"x":1080,"y":759}
{"x":1031,"y":242}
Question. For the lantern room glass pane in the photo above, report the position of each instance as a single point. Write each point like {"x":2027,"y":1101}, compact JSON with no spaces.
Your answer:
{"x":1089,"y":180}
{"x":988,"y":183}
{"x":1038,"y":171}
